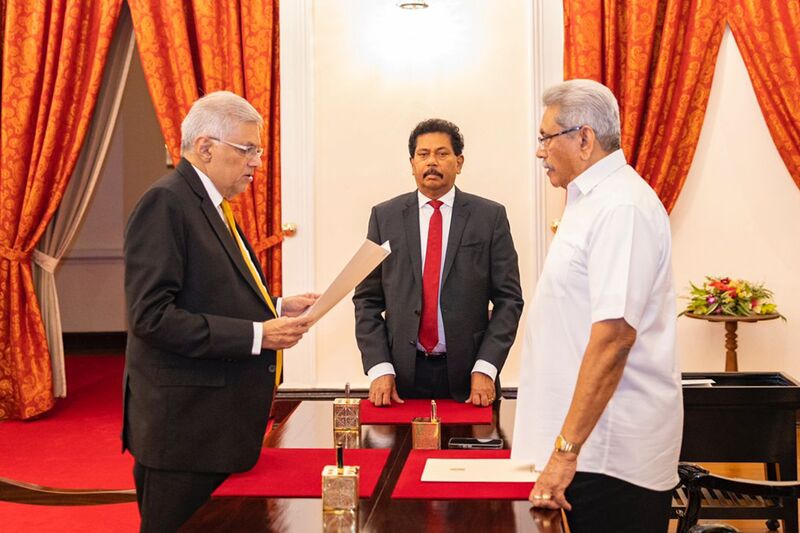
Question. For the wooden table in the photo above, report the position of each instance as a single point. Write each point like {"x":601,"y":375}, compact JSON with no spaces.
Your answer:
{"x":731,"y":323}
{"x":746,"y":417}
{"x":310,"y":426}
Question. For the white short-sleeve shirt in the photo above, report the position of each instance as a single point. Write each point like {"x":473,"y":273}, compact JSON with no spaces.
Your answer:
{"x":611,"y":258}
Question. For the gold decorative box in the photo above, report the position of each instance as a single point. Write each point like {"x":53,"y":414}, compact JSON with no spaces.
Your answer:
{"x":426,"y":432}
{"x":347,"y":421}
{"x":340,"y":497}
{"x":347,"y":438}
{"x":340,"y":521}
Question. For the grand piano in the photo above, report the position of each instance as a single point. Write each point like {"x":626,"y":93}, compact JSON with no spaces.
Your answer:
{"x":745,"y":417}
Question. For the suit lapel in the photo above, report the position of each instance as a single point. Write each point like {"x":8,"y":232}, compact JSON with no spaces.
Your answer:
{"x":458,"y":222}
{"x":218,"y":226}
{"x":411,"y":224}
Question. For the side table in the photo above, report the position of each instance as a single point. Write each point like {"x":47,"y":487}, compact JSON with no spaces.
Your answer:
{"x":731,"y":323}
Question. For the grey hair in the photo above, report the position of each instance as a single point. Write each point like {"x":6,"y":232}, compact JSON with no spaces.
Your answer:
{"x":216,"y":115}
{"x":587,"y":103}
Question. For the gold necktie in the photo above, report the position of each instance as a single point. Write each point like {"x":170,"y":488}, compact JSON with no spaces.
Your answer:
{"x":228,"y":212}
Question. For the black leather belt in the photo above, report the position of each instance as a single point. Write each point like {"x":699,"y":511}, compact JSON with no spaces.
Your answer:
{"x":431,"y":355}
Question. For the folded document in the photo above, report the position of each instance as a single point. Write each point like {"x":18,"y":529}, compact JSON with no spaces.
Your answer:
{"x":479,"y":470}
{"x":369,"y":256}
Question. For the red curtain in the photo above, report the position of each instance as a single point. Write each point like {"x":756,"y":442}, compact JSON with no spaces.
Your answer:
{"x":192,"y":47}
{"x":768,"y":35}
{"x":53,"y":54}
{"x":658,"y":57}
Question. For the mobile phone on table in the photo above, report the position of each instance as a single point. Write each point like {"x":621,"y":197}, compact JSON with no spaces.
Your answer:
{"x":474,"y":443}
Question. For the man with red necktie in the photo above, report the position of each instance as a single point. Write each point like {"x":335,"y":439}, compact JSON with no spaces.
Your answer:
{"x":423,"y":323}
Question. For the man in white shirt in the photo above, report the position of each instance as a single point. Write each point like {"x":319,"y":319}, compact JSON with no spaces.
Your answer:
{"x":422,"y":317}
{"x":600,"y":375}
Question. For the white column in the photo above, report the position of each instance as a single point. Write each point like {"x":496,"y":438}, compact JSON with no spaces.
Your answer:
{"x":297,"y":173}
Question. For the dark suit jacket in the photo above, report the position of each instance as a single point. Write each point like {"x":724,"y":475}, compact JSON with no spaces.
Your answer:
{"x":196,"y":399}
{"x":480,"y":266}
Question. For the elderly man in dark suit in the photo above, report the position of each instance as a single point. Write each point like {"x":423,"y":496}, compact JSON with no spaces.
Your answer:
{"x":205,"y":335}
{"x":423,"y":323}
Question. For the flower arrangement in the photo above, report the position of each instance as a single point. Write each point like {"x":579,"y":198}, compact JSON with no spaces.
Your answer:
{"x":731,"y":297}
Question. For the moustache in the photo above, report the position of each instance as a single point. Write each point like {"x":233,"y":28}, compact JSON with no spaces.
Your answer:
{"x":432,"y":172}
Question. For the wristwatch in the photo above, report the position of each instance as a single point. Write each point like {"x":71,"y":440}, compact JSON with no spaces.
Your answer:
{"x":564,"y":446}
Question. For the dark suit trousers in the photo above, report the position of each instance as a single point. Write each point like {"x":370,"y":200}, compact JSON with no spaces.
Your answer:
{"x":430,"y":379}
{"x":167,"y":499}
{"x":605,"y":504}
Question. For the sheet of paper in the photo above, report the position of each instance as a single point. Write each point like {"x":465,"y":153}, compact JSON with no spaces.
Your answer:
{"x":479,"y":470}
{"x":362,"y":263}
{"x":698,"y":382}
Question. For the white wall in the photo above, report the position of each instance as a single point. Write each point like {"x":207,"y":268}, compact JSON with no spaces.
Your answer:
{"x":738,"y":215}
{"x":378,"y":71}
{"x":90,"y":277}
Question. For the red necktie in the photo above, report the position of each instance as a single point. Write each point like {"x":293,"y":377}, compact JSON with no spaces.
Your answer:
{"x":429,"y":320}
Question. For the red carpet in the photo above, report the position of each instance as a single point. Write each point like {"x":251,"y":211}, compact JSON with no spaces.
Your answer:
{"x":77,"y":443}
{"x":410,"y":486}
{"x":21,"y":518}
{"x":297,"y":473}
{"x":449,"y":411}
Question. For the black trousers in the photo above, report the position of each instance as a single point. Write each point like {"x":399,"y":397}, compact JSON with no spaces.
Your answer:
{"x":430,"y":379}
{"x":167,"y":499}
{"x":604,"y":504}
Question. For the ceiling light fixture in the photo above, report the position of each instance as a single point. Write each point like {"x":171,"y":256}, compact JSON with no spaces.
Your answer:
{"x":413,"y":4}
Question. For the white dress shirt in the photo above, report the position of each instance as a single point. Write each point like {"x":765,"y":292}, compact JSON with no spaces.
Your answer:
{"x":216,"y":199}
{"x":609,"y":259}
{"x":425,"y":214}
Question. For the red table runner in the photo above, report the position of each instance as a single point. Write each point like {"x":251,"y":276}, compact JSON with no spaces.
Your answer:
{"x":449,"y":411}
{"x":297,"y":473}
{"x":409,"y":485}
{"x":117,"y":517}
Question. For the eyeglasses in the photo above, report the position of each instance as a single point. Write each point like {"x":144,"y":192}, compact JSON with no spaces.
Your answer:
{"x":544,"y":140}
{"x":247,"y":151}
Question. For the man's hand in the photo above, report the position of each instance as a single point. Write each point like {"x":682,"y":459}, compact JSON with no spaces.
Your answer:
{"x":383,"y":391}
{"x":284,"y":332}
{"x":481,"y":390}
{"x":548,"y":493}
{"x":296,"y":305}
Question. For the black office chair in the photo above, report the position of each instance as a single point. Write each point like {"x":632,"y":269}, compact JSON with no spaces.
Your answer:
{"x":731,"y":498}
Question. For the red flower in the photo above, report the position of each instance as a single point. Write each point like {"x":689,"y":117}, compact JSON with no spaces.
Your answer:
{"x":719,"y":286}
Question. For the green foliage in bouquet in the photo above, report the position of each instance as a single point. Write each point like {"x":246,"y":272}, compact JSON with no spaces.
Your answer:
{"x":724,"y":296}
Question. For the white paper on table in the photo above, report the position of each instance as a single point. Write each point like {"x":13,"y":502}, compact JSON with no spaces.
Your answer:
{"x":362,"y":263}
{"x":698,"y":382}
{"x":479,"y":470}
